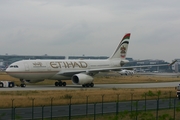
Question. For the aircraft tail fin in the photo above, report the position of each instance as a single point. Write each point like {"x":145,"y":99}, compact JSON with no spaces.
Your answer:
{"x":122,"y":48}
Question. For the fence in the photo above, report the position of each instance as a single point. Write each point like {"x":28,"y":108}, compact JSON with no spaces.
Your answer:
{"x":114,"y":103}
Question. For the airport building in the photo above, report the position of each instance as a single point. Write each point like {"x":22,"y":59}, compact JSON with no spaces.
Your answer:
{"x":176,"y":66}
{"x":150,"y":62}
{"x":88,"y":57}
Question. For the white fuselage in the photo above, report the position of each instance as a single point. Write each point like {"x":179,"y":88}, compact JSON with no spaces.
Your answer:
{"x":53,"y":69}
{"x":81,"y":72}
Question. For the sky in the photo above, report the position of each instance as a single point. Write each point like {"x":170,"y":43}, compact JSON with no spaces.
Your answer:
{"x":90,"y":27}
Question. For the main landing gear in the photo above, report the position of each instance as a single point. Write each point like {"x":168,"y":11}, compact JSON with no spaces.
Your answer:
{"x":22,"y":83}
{"x":60,"y":83}
{"x":88,"y":85}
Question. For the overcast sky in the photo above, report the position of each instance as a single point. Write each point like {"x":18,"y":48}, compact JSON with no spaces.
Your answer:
{"x":90,"y":27}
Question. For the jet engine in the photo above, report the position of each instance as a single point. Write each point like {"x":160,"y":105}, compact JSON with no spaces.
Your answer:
{"x":81,"y":79}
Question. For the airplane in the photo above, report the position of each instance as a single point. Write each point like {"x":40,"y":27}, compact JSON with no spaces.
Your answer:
{"x":81,"y":72}
{"x":126,"y":72}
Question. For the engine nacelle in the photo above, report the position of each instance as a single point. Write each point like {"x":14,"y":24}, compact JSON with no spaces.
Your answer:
{"x":33,"y":81}
{"x":80,"y":79}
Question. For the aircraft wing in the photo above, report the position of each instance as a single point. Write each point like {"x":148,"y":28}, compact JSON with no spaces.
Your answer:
{"x":118,"y":68}
{"x":71,"y":73}
{"x":89,"y":71}
{"x":144,"y":66}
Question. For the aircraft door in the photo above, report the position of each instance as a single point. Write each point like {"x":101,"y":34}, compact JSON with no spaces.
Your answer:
{"x":26,"y":66}
{"x":48,"y":67}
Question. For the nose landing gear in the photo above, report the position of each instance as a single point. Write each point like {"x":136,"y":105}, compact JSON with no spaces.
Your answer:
{"x":22,"y":83}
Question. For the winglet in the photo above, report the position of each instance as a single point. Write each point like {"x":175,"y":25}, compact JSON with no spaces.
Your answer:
{"x":172,"y":63}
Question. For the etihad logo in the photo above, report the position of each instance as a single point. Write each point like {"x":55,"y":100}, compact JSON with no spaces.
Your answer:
{"x":39,"y":64}
{"x":69,"y":64}
{"x":123,"y":51}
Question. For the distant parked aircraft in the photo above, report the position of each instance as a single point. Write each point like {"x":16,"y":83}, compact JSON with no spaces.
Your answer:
{"x":126,"y":72}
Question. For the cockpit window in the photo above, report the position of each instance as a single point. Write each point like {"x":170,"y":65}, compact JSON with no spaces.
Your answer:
{"x":16,"y":66}
{"x":13,"y":66}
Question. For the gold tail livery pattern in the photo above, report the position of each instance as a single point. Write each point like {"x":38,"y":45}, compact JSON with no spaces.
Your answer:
{"x":122,"y":48}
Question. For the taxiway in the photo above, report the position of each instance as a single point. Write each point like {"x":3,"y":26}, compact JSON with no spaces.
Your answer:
{"x":97,"y":86}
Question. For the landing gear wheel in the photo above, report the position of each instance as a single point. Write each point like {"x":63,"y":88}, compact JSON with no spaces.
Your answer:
{"x":92,"y":84}
{"x":64,"y":83}
{"x":87,"y":85}
{"x":56,"y":83}
{"x":23,"y":85}
{"x":60,"y":83}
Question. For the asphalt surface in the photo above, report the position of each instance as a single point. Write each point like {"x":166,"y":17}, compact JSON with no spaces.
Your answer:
{"x":97,"y":86}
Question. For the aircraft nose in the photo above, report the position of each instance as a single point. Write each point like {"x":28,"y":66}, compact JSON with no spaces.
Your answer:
{"x":8,"y":70}
{"x":12,"y":68}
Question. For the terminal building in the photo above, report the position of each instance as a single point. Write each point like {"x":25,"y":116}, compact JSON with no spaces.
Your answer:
{"x":152,"y":68}
{"x":176,"y":66}
{"x":88,"y":57}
